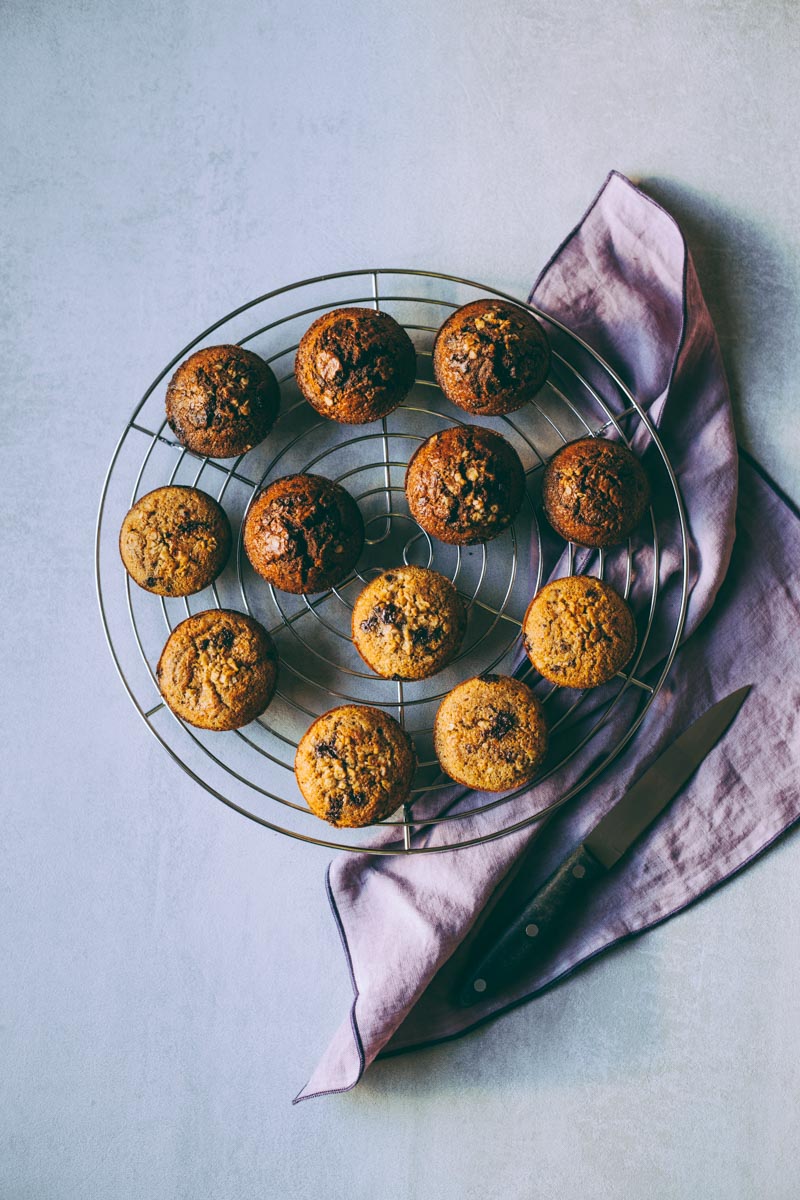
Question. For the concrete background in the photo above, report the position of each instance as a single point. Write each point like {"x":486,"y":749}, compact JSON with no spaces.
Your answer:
{"x":169,"y":972}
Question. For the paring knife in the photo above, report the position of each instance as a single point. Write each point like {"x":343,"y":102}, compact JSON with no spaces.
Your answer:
{"x":612,"y":837}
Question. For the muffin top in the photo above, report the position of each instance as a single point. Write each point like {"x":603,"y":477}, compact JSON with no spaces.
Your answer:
{"x":355,"y":365}
{"x":465,"y":484}
{"x":408,"y":623}
{"x":491,"y":357}
{"x":303,"y":533}
{"x":490,"y":733}
{"x":175,"y":541}
{"x":578,"y":631}
{"x":354,"y":765}
{"x":594,"y":492}
{"x":218,"y":669}
{"x":222,"y":401}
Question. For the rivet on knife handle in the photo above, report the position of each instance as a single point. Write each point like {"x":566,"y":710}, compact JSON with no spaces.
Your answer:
{"x":541,"y":919}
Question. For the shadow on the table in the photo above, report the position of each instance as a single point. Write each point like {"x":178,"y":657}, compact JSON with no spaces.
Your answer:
{"x":749,"y":281}
{"x":545,"y":1040}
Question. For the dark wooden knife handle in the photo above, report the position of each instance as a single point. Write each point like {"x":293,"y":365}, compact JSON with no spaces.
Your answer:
{"x":535,"y":929}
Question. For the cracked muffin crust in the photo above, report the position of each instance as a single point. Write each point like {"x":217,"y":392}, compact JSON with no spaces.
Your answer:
{"x":218,"y":669}
{"x":490,"y":733}
{"x":354,"y":765}
{"x":175,"y":541}
{"x":578,"y":632}
{"x":355,"y":365}
{"x":594,"y":492}
{"x":408,"y":623}
{"x":491,"y":357}
{"x":303,"y":533}
{"x":222,"y":401}
{"x":465,"y":484}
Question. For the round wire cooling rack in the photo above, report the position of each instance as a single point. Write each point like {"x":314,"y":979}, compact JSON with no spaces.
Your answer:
{"x":251,"y":769}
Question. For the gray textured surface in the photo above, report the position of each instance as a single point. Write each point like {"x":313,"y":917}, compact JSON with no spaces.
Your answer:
{"x":170,"y":972}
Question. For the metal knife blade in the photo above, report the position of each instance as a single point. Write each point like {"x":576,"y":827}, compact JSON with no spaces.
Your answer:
{"x":623,"y":825}
{"x":613,"y":835}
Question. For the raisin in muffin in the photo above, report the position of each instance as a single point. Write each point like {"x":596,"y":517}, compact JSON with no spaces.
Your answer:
{"x":408,"y":623}
{"x":594,"y":492}
{"x":491,"y":357}
{"x":175,"y":541}
{"x":490,"y":733}
{"x":355,"y":365}
{"x":303,"y":533}
{"x":465,"y":484}
{"x":354,"y":765}
{"x":218,"y":669}
{"x":222,"y":401}
{"x":578,"y":632}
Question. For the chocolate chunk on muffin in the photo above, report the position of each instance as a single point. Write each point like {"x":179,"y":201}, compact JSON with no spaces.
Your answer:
{"x":355,"y":365}
{"x":490,"y":733}
{"x":465,"y":485}
{"x":491,"y":357}
{"x":408,"y":623}
{"x":578,"y":632}
{"x":594,"y":492}
{"x":218,"y":669}
{"x":354,"y":765}
{"x":303,"y":533}
{"x":222,"y":401}
{"x":175,"y":541}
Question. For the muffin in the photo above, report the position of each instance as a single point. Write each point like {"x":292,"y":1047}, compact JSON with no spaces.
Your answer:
{"x":594,"y":492}
{"x":355,"y":365}
{"x":465,"y":485}
{"x":222,"y":401}
{"x":578,"y":632}
{"x":491,"y":357}
{"x":175,"y":541}
{"x":408,"y":623}
{"x":354,"y":765}
{"x":490,"y":733}
{"x":303,"y":533}
{"x":218,"y":669}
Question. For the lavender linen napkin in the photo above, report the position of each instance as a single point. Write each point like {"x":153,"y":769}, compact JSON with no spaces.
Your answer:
{"x":624,"y":280}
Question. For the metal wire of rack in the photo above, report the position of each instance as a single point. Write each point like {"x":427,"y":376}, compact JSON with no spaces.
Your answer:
{"x":319,"y":667}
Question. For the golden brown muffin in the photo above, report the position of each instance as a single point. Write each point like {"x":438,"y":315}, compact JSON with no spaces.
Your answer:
{"x":222,"y":401}
{"x":303,"y":533}
{"x":490,"y":733}
{"x":578,"y":632}
{"x":408,"y":623}
{"x":354,"y":765}
{"x":465,"y":485}
{"x":175,"y":541}
{"x":491,"y":357}
{"x":355,"y":365}
{"x":218,"y":669}
{"x":594,"y":492}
